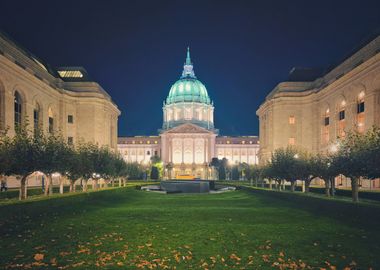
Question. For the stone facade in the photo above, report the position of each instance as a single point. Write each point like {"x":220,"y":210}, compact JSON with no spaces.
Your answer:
{"x":61,"y":99}
{"x":315,"y":113}
{"x":188,"y":139}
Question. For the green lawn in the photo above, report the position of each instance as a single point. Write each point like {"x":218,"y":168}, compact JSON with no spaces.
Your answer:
{"x":128,"y":229}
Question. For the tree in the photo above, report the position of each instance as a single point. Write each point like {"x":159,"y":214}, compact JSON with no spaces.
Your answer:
{"x":222,"y":169}
{"x":54,"y":158}
{"x":235,"y":172}
{"x":357,"y":157}
{"x":254,"y":172}
{"x":169,"y":167}
{"x":324,"y":168}
{"x":154,"y":173}
{"x":214,"y":164}
{"x":156,"y":163}
{"x":21,"y":155}
{"x":290,"y":164}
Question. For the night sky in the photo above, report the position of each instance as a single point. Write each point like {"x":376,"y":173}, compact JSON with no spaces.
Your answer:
{"x":240,"y":49}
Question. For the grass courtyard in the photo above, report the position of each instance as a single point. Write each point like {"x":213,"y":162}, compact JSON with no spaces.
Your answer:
{"x":125,"y":228}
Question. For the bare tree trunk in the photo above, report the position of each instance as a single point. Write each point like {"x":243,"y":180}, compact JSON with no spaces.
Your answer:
{"x":270,"y":183}
{"x":292,"y":186}
{"x":46,"y":191}
{"x":283,"y":184}
{"x":84,"y":186}
{"x":72,"y":184}
{"x":113,"y":182}
{"x":307,"y":185}
{"x":95,"y":184}
{"x":61,"y":184}
{"x":22,"y":193}
{"x":119,"y":181}
{"x":256,"y":182}
{"x":50,"y":179}
{"x":332,"y":186}
{"x":355,"y":189}
{"x":327,"y":187}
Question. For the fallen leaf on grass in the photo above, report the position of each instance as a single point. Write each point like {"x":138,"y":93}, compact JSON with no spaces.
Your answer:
{"x":39,"y":256}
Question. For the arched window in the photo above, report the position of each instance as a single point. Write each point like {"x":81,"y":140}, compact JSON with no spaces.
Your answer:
{"x":17,"y":109}
{"x":326,"y":127}
{"x":36,"y":117}
{"x":360,"y":111}
{"x":51,"y":121}
{"x":341,"y":119}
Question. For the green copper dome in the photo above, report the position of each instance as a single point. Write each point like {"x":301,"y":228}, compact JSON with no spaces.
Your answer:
{"x":188,"y":88}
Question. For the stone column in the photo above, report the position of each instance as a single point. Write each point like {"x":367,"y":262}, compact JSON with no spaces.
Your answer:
{"x":204,"y":150}
{"x":193,"y":150}
{"x":183,"y":148}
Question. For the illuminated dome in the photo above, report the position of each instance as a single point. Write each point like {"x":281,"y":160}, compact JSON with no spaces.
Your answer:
{"x":188,"y":101}
{"x":188,"y":88}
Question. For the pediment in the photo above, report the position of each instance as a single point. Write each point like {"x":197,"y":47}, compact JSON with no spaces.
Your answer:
{"x":189,"y":128}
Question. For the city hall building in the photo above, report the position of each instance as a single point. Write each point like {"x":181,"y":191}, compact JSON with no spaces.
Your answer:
{"x":188,"y":139}
{"x":62,"y":99}
{"x":313,"y":110}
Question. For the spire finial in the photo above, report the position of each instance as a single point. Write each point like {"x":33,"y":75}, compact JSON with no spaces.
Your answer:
{"x":188,"y":60}
{"x":188,"y":67}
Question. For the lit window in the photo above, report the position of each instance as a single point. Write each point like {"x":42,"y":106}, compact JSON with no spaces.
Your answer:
{"x":133,"y":142}
{"x":50,"y":121}
{"x":242,"y":142}
{"x":148,"y":142}
{"x":36,"y":117}
{"x":70,"y":73}
{"x":292,"y":141}
{"x":326,"y":128}
{"x":155,"y":142}
{"x":228,"y":142}
{"x":292,"y":120}
{"x":17,"y":109}
{"x":360,"y":112}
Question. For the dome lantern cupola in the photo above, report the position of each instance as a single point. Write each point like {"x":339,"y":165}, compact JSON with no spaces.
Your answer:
{"x":188,"y":70}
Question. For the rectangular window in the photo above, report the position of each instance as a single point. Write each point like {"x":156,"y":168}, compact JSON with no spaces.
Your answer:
{"x":292,"y":120}
{"x":361,"y":107}
{"x":70,"y":119}
{"x":70,"y":140}
{"x":327,"y":121}
{"x":292,"y":141}
{"x":342,"y":115}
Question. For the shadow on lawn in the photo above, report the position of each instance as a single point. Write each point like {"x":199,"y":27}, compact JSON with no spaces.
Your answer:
{"x":357,"y":215}
{"x":64,"y":206}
